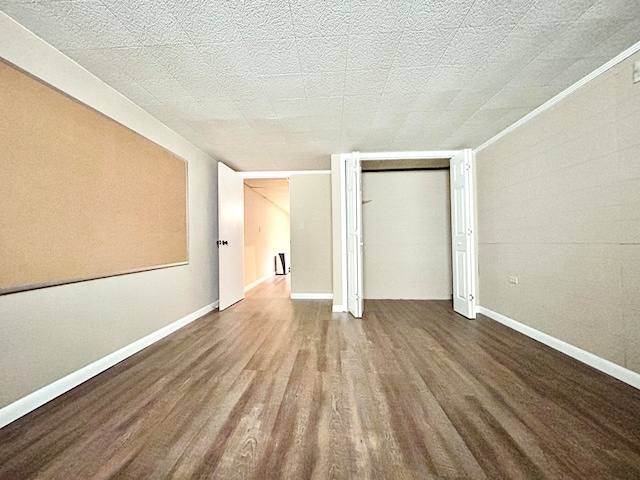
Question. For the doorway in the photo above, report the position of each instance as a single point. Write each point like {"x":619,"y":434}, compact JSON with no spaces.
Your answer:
{"x":267,"y":243}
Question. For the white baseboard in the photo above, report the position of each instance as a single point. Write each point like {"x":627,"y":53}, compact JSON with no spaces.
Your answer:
{"x":38,"y":398}
{"x":259,"y":281}
{"x":339,"y":308}
{"x":312,"y":296}
{"x":623,"y":374}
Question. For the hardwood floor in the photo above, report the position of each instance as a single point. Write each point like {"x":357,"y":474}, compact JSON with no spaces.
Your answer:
{"x":274,"y":388}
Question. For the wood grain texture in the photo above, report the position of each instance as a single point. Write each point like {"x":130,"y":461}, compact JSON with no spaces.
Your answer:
{"x":274,"y":388}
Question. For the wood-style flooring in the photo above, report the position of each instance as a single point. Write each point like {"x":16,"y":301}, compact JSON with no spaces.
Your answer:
{"x":273,"y":388}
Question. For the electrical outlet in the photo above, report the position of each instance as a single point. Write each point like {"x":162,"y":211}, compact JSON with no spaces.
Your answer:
{"x":636,"y":71}
{"x":513,"y":280}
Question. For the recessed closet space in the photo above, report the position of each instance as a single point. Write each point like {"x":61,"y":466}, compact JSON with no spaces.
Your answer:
{"x":406,"y":229}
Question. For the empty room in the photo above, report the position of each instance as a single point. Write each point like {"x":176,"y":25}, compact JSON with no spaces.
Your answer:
{"x":454,"y":187}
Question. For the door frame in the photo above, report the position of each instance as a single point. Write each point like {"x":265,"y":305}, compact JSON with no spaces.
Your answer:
{"x":342,"y":210}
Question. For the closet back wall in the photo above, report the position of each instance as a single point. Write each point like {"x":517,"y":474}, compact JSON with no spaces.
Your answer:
{"x":407,"y":235}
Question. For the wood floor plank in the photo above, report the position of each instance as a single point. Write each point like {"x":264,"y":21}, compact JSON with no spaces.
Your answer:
{"x":273,"y":388}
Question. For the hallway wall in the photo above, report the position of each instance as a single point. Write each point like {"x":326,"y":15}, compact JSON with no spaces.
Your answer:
{"x":558,"y":208}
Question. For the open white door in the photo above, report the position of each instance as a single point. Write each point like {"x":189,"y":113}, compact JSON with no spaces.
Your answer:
{"x":462,"y":234}
{"x":353,"y":174}
{"x":230,"y":236}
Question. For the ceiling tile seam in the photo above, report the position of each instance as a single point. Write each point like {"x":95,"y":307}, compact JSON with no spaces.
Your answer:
{"x":393,"y":61}
{"x":177,"y":20}
{"x":444,"y":49}
{"x":259,"y":77}
{"x":467,"y":14}
{"x":395,"y":53}
{"x":486,"y":62}
{"x":304,"y":85}
{"x":124,"y":24}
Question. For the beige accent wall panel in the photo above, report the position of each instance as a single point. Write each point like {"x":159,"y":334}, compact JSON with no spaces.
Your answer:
{"x":48,"y":333}
{"x":266,"y":233}
{"x":407,"y":235}
{"x":559,"y":209}
{"x":311,"y":253}
{"x":82,"y":196}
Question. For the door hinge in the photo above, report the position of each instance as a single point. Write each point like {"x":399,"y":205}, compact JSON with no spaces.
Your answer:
{"x":469,"y":231}
{"x":467,"y":166}
{"x":471,"y":297}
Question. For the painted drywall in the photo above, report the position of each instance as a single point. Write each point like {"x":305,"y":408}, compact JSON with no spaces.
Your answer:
{"x":48,"y":333}
{"x":337,"y":232}
{"x":406,"y":224}
{"x":558,"y":203}
{"x":311,"y":252}
{"x":266,"y":233}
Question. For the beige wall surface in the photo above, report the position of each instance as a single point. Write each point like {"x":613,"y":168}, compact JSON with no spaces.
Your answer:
{"x":311,"y":239}
{"x":559,"y":208}
{"x":266,"y":233}
{"x":337,"y":213}
{"x":407,"y":235}
{"x":48,"y":333}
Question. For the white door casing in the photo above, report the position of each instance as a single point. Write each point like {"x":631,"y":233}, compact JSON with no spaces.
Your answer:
{"x":462,"y":225}
{"x":230,"y":236}
{"x":355,"y":264}
{"x":462,"y":234}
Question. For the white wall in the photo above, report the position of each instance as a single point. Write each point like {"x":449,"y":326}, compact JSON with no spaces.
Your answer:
{"x":558,"y":208}
{"x":266,"y":233}
{"x":407,"y":235}
{"x":48,"y":333}
{"x":311,"y":238}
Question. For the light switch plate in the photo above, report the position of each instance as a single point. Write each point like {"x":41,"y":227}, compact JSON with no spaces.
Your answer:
{"x":636,"y":71}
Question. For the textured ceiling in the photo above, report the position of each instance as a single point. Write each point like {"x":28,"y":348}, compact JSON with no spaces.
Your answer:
{"x":280,"y":85}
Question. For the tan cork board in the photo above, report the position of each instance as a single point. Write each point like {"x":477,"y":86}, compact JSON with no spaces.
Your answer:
{"x":81,"y":196}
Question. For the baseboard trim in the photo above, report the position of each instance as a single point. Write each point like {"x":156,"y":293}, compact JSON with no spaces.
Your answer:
{"x":259,"y":281}
{"x":562,"y":95}
{"x":610,"y":368}
{"x":312,"y":296}
{"x":47,"y":393}
{"x":339,"y":308}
